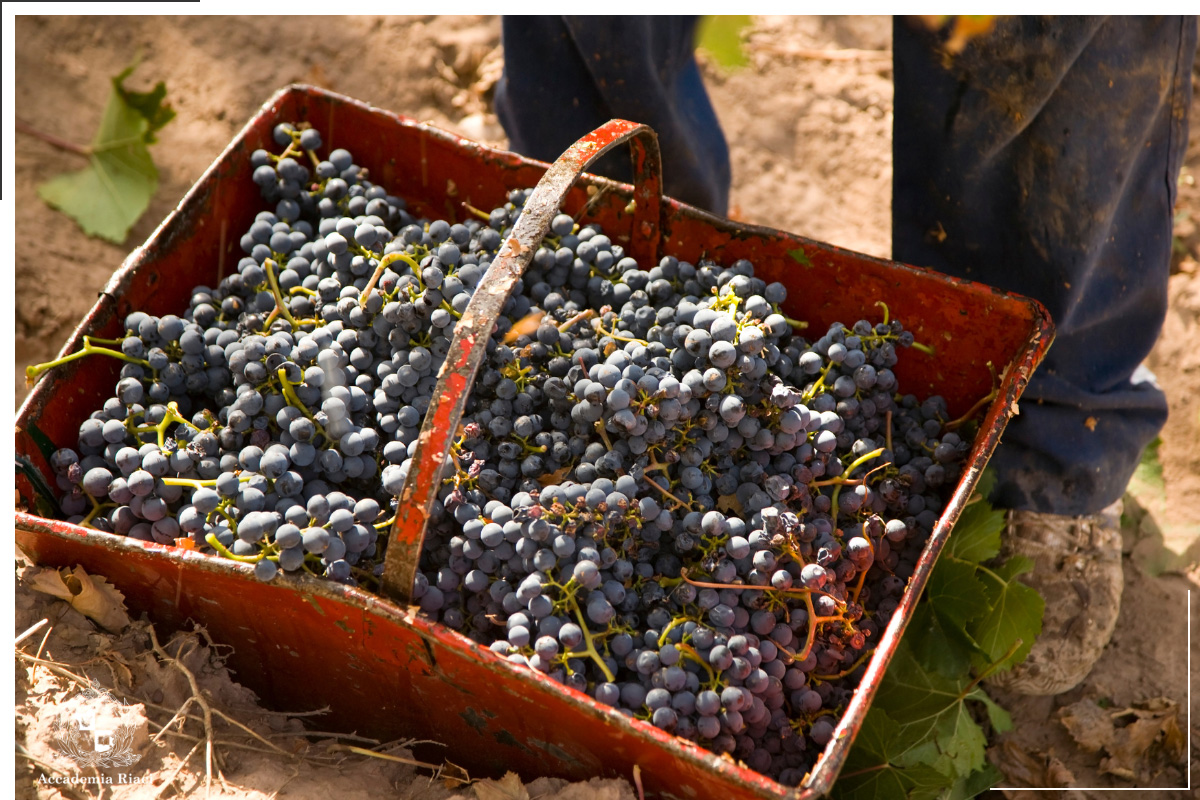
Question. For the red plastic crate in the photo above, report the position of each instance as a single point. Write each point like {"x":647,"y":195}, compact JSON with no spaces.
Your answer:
{"x":303,"y":643}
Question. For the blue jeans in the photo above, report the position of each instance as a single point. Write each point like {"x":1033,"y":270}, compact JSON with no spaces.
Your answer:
{"x":1042,"y":160}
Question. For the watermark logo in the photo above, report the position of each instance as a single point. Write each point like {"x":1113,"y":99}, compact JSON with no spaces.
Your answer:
{"x":98,"y":731}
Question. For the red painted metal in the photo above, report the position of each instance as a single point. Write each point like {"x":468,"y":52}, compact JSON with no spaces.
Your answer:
{"x":303,"y":643}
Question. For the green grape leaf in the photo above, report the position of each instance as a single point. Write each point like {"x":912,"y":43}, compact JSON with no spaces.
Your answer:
{"x":974,"y":784}
{"x":109,"y":195}
{"x":940,"y":645}
{"x":956,"y":593}
{"x":1001,"y":720}
{"x":954,"y":597}
{"x":931,"y":708}
{"x":149,"y":104}
{"x":871,"y":773}
{"x":1016,"y":614}
{"x":976,"y":535}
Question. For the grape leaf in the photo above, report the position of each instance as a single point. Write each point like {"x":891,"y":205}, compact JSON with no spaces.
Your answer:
{"x":109,"y":195}
{"x":507,"y":788}
{"x":975,"y":784}
{"x":1016,"y":614}
{"x":956,"y":593}
{"x":930,"y":709}
{"x":976,"y":535}
{"x":1001,"y":720}
{"x":940,"y":645}
{"x":954,"y":597}
{"x":871,"y":773}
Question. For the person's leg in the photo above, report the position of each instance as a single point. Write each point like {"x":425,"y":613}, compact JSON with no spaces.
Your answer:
{"x":565,"y":76}
{"x":1043,"y":160}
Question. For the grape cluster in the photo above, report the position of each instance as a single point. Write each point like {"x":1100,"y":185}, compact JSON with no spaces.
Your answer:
{"x":661,"y":493}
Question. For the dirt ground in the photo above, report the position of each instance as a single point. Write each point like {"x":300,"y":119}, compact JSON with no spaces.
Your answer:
{"x":809,"y":123}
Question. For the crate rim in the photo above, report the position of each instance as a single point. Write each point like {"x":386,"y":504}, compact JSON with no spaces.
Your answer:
{"x":818,"y":782}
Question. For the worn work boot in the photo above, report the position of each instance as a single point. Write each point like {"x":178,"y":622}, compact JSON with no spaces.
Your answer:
{"x":1077,"y":571}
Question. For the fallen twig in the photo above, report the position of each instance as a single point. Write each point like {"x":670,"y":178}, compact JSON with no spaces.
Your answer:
{"x":31,"y":630}
{"x":210,"y":736}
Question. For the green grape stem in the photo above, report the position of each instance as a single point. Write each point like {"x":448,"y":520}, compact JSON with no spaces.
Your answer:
{"x":818,"y":386}
{"x":197,"y":484}
{"x":589,"y":649}
{"x":690,"y":652}
{"x":483,"y":215}
{"x":280,"y":305}
{"x":980,"y":404}
{"x":662,"y":639}
{"x":846,"y":476}
{"x":614,"y":335}
{"x":97,"y":507}
{"x":160,"y":429}
{"x":384,"y":263}
{"x":886,"y":313}
{"x":32,"y":373}
{"x":289,"y":394}
{"x":215,"y":544}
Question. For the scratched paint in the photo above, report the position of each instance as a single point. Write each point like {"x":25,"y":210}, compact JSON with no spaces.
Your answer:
{"x":555,"y":751}
{"x":508,"y":740}
{"x":473,"y":719}
{"x":312,"y":601}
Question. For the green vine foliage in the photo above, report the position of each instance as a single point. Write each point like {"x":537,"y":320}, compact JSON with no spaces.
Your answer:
{"x":109,"y":195}
{"x":924,"y":737}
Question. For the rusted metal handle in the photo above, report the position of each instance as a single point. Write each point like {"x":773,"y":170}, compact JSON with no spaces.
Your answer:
{"x":472,"y":332}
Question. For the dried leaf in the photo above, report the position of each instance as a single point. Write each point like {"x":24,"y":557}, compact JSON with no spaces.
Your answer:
{"x":525,"y":326}
{"x":92,"y":596}
{"x":1173,"y":741}
{"x":1154,"y":732}
{"x":507,"y":788}
{"x":729,"y":504}
{"x":1089,"y":725}
{"x":1130,"y":747}
{"x":453,"y":775}
{"x":1058,"y":775}
{"x":556,"y":477}
{"x":1033,"y":770}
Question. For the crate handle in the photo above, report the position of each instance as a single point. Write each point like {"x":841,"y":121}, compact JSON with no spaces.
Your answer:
{"x":472,"y":332}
